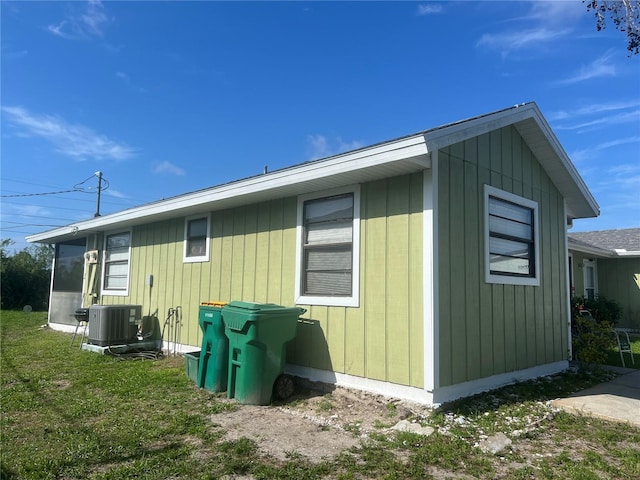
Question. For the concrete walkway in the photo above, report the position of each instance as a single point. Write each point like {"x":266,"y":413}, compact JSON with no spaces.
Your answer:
{"x":617,"y":400}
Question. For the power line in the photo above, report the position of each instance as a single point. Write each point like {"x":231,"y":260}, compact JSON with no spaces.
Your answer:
{"x":20,"y":225}
{"x":47,"y":206}
{"x":39,"y":216}
{"x":76,"y":188}
{"x":37,"y":194}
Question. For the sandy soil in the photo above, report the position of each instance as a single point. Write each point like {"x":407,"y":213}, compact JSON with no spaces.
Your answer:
{"x":314,"y":424}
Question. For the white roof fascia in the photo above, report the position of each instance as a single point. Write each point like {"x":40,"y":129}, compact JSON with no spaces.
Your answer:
{"x":599,"y":252}
{"x":459,"y":132}
{"x":627,"y":253}
{"x":566,"y":161}
{"x":412,"y":149}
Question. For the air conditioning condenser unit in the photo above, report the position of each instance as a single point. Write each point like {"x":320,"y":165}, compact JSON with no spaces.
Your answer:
{"x":114,"y":324}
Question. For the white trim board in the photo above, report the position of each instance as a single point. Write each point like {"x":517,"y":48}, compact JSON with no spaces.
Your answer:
{"x":419,"y":395}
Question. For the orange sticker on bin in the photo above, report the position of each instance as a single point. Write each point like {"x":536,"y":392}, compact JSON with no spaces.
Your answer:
{"x":214,"y":304}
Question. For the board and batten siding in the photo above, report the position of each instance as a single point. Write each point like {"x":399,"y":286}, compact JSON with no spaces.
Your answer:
{"x":382,"y":339}
{"x":488,"y":329}
{"x":252,"y":258}
{"x":619,"y":280}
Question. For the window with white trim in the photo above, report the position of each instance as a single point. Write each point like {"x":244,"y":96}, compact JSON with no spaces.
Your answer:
{"x":511,"y":238}
{"x":327,"y":258}
{"x":196,"y":239}
{"x":117,"y":252}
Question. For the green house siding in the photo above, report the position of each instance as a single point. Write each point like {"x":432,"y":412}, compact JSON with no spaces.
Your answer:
{"x":619,"y":280}
{"x":252,"y":258}
{"x":383,"y":338}
{"x":487,"y":329}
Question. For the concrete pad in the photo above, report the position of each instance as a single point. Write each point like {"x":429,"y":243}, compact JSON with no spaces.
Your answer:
{"x":617,"y":400}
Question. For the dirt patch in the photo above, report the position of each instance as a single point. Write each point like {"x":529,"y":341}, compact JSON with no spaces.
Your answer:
{"x":316,"y":425}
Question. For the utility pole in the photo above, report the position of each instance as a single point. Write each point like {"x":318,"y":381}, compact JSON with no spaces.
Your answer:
{"x":99,"y":175}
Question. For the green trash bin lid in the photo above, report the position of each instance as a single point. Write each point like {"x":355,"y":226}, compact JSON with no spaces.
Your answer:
{"x":237,"y":314}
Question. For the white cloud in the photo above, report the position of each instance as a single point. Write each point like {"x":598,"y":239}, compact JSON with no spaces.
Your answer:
{"x":544,"y":23}
{"x":94,"y":18}
{"x":555,"y":13}
{"x":115,"y":193}
{"x":507,"y":42}
{"x":321,"y":147}
{"x":122,"y":76}
{"x":429,"y":9}
{"x":168,"y":167}
{"x":600,"y":67}
{"x":92,"y":22}
{"x":625,"y":117}
{"x":76,"y":141}
{"x":584,"y":154}
{"x":593,"y":109}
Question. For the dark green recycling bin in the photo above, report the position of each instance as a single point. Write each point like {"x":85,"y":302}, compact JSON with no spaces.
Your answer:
{"x":258,"y":333}
{"x":214,"y":354}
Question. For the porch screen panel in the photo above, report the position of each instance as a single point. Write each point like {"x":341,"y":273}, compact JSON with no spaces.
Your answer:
{"x":69,"y":266}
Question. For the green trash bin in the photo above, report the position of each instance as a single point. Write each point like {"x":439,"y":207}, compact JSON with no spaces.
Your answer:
{"x":214,"y":354}
{"x":258,"y":333}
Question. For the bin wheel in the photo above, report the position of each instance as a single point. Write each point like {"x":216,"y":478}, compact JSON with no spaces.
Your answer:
{"x":283,"y":387}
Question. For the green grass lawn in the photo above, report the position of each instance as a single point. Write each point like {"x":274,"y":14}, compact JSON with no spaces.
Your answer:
{"x":72,"y":414}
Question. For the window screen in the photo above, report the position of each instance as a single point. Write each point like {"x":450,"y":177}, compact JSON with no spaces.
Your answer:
{"x":116,"y":263}
{"x":328,"y":246}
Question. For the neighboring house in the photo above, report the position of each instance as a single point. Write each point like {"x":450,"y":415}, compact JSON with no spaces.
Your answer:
{"x":432,"y":266}
{"x":607,"y":263}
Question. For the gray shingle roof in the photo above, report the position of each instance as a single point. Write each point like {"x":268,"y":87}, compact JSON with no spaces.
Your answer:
{"x":627,"y":239}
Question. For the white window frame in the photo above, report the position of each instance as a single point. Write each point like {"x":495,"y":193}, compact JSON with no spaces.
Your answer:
{"x":199,"y":258}
{"x":110,"y":291}
{"x":490,"y":191}
{"x":354,"y":299}
{"x":590,"y":264}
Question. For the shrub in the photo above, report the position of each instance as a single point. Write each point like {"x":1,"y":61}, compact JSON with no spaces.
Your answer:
{"x":591,"y":339}
{"x":601,"y":308}
{"x":591,"y":328}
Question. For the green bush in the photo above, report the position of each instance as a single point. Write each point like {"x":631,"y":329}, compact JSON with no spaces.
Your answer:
{"x":601,"y":308}
{"x":591,"y":339}
{"x":592,"y":320}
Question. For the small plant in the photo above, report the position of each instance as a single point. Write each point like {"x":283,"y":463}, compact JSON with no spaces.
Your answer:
{"x":353,"y":428}
{"x":392,"y":410}
{"x":325,"y":405}
{"x":381,"y":425}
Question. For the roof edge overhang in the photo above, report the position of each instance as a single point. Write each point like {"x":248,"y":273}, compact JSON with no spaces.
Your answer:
{"x":588,"y":249}
{"x":405,"y":155}
{"x":532,"y":126}
{"x":601,"y":252}
{"x":400,"y":156}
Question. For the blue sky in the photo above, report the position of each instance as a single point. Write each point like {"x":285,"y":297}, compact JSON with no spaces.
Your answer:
{"x":165,"y":98}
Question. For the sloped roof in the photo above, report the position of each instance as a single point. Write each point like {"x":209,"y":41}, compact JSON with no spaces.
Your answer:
{"x":404,"y":155}
{"x":618,"y":242}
